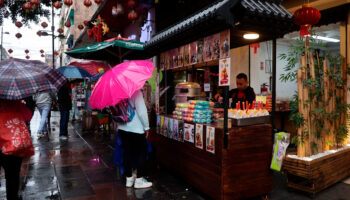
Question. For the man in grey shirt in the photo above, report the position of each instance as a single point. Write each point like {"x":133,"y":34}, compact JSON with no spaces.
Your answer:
{"x":43,"y":102}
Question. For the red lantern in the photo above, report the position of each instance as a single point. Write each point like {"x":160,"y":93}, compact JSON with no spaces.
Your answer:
{"x":35,"y":3}
{"x":2,"y":3}
{"x":86,"y":23}
{"x":42,"y":55}
{"x":57,"y":4}
{"x":11,"y":57}
{"x":68,"y":2}
{"x":41,"y":51}
{"x":44,"y":24}
{"x":27,"y":57}
{"x":10,"y":51}
{"x":56,"y":53}
{"x":39,"y":33}
{"x":26,"y":51}
{"x":89,"y":32}
{"x":305,"y":17}
{"x":80,"y":26}
{"x":27,"y":6}
{"x":18,"y":35}
{"x":68,"y":49}
{"x":87,"y":3}
{"x":132,"y":16}
{"x":60,"y":30}
{"x":98,"y":2}
{"x":67,"y":24}
{"x":19,"y":24}
{"x":255,"y":46}
{"x":131,"y":3}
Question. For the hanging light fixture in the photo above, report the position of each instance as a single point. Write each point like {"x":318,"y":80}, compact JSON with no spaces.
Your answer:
{"x":251,"y":36}
{"x":305,"y":17}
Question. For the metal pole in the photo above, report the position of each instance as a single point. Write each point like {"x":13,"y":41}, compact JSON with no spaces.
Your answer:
{"x":274,"y":72}
{"x":53,"y":35}
{"x":2,"y":35}
{"x":226,"y":106}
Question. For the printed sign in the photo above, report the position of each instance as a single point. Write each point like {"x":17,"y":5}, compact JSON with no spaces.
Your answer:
{"x":210,"y":139}
{"x":158,"y":123}
{"x":224,"y":72}
{"x":199,"y":136}
{"x":161,"y":125}
{"x":175,"y":129}
{"x":187,"y":55}
{"x":181,"y":57}
{"x":216,"y":46}
{"x":181,"y":131}
{"x":189,"y":133}
{"x":206,"y":87}
{"x":225,"y":44}
{"x":166,"y":126}
{"x":208,"y":51}
{"x":193,"y":52}
{"x":200,"y":47}
{"x":170,"y":127}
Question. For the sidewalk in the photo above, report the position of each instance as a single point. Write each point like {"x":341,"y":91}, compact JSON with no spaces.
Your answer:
{"x":81,"y":169}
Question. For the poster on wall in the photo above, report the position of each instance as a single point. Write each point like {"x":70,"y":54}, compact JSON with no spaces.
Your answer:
{"x":193,"y":52}
{"x":181,"y":56}
{"x":162,"y":61}
{"x":225,"y":44}
{"x":166,"y":60}
{"x":170,"y":127}
{"x":224,"y":72}
{"x":187,"y":55}
{"x":208,"y":51}
{"x":189,"y":133}
{"x":181,"y":131}
{"x":210,"y":139}
{"x":200,"y":55}
{"x":199,"y":136}
{"x":158,"y":124}
{"x":171,"y":64}
{"x":216,"y":46}
{"x":157,"y":94}
{"x":175,"y":129}
{"x":166,"y":126}
{"x":175,"y":58}
{"x":161,"y":125}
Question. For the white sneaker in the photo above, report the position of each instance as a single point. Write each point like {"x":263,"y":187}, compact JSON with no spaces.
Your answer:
{"x":40,"y":135}
{"x":142,"y":183}
{"x":63,"y":137}
{"x":130,"y":181}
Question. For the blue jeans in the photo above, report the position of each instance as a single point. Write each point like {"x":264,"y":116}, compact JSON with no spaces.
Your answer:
{"x":64,"y":122}
{"x":44,"y":110}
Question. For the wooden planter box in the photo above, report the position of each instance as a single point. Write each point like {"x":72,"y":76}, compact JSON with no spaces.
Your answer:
{"x":319,"y":174}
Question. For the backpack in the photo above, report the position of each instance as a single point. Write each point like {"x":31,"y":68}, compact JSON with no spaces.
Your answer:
{"x":123,"y":112}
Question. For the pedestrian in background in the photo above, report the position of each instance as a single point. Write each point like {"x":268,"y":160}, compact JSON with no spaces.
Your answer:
{"x":30,"y":104}
{"x":43,"y":101}
{"x":65,"y":105}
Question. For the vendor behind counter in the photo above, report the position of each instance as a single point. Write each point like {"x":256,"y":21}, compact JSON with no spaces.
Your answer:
{"x":243,"y":92}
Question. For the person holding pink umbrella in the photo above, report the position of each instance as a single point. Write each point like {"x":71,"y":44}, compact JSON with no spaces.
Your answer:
{"x":122,"y":86}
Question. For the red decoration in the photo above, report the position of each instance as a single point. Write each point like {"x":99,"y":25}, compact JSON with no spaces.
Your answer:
{"x":11,"y":57}
{"x":68,"y":2}
{"x":132,"y":16}
{"x":41,"y":51}
{"x":26,"y":51}
{"x":98,"y":2}
{"x":10,"y":51}
{"x":39,"y":33}
{"x":255,"y":46}
{"x":2,"y":3}
{"x":42,"y":55}
{"x":131,"y":3}
{"x":86,"y":23}
{"x":57,"y":4}
{"x":67,"y":24}
{"x":119,"y":10}
{"x":97,"y":32}
{"x":27,"y":57}
{"x":18,"y":35}
{"x":80,"y":26}
{"x":60,"y":30}
{"x":27,"y":6}
{"x":68,"y":49}
{"x":89,"y":32}
{"x":35,"y":3}
{"x":19,"y":24}
{"x":44,"y":24}
{"x":87,"y":3}
{"x":305,"y":17}
{"x":56,"y":53}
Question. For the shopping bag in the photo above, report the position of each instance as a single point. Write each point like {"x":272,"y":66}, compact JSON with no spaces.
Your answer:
{"x":280,"y":146}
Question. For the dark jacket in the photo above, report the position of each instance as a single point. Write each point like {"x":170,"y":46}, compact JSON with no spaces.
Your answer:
{"x":247,"y":95}
{"x":64,"y":99}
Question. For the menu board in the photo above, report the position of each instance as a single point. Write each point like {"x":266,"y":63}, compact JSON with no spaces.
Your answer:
{"x":216,"y":46}
{"x":193,"y":52}
{"x":189,"y":132}
{"x":199,"y":136}
{"x":210,"y":139}
{"x":208,"y":48}
{"x":200,"y":55}
{"x":225,"y":44}
{"x":224,"y":72}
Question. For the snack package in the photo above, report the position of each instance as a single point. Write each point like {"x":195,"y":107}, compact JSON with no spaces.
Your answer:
{"x":280,"y":146}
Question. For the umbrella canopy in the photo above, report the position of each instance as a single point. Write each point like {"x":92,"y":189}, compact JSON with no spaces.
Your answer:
{"x":110,"y":50}
{"x":23,"y":78}
{"x":74,"y":72}
{"x":120,"y":83}
{"x":91,"y":66}
{"x":95,"y":77}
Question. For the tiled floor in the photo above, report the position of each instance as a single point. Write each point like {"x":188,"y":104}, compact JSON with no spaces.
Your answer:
{"x":81,"y":169}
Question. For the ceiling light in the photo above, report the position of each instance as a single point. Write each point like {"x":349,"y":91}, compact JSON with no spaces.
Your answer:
{"x":251,"y":36}
{"x":325,"y":38}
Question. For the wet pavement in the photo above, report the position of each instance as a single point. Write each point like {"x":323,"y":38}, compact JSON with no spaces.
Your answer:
{"x":81,"y":169}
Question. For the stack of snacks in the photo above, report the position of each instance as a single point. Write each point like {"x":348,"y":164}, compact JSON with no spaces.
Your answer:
{"x":201,"y":111}
{"x":180,"y":111}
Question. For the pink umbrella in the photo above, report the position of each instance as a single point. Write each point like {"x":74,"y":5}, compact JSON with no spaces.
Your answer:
{"x":120,"y":83}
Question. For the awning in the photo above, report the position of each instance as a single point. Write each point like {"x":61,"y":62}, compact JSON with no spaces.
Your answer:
{"x":266,"y":17}
{"x":110,"y":50}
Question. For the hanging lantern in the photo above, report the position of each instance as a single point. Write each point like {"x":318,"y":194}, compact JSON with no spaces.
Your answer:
{"x":68,"y":2}
{"x":18,"y":35}
{"x":41,"y":51}
{"x":56,"y":53}
{"x":27,"y":57}
{"x":60,"y":30}
{"x":39,"y":33}
{"x":35,"y":3}
{"x":26,"y":51}
{"x":42,"y":55}
{"x":10,"y":51}
{"x":11,"y":57}
{"x":98,"y":2}
{"x":57,"y":4}
{"x":305,"y":17}
{"x":80,"y":27}
{"x":131,"y":3}
{"x":86,"y":23}
{"x":255,"y":46}
{"x":87,"y":3}
{"x":19,"y":24}
{"x":68,"y":49}
{"x":2,"y":3}
{"x":89,"y":32}
{"x":132,"y":16}
{"x":44,"y":24}
{"x":67,"y":24}
{"x":27,"y":6}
